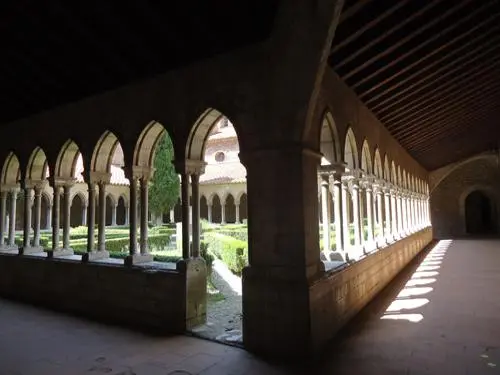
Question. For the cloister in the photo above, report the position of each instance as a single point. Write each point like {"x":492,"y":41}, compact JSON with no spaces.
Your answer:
{"x":354,"y":159}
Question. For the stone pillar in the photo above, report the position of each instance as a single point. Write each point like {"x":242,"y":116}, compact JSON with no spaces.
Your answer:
{"x":113,"y":215}
{"x":38,"y":212}
{"x":209,"y":206}
{"x":55,"y":217}
{"x":127,"y":215}
{"x":3,"y":209}
{"x":91,"y":217}
{"x":133,"y":217}
{"x":27,"y":217}
{"x":195,"y":196}
{"x":237,"y":213}
{"x":325,"y":211}
{"x":49,"y":216}
{"x":12,"y":218}
{"x":337,"y":195}
{"x":84,"y":215}
{"x":394,"y":215}
{"x":380,"y":219}
{"x":387,"y":216}
{"x":369,"y":216}
{"x":345,"y":218}
{"x":144,"y":215}
{"x":185,"y":215}
{"x":101,"y":233}
{"x":223,"y":212}
{"x":404,"y":215}
{"x":66,"y":216}
{"x":356,"y":216}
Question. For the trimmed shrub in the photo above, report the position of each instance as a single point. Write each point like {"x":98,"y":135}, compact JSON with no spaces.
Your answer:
{"x":231,"y":251}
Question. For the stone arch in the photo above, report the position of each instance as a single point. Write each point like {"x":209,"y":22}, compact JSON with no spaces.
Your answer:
{"x":329,"y":139}
{"x":366,"y":158}
{"x":144,"y":152}
{"x":351,"y":150}
{"x":230,"y":209}
{"x":493,"y":198}
{"x":66,"y":161}
{"x":195,"y":147}
{"x":377,"y":165}
{"x":216,"y":209}
{"x":37,"y":169}
{"x":387,"y":169}
{"x":11,"y":172}
{"x":203,"y":207}
{"x":121,"y":211}
{"x":243,"y":207}
{"x":76,"y":212}
{"x":104,"y":151}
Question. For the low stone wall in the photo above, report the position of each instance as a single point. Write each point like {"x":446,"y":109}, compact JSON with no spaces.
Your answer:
{"x":338,"y":296}
{"x":149,"y":299}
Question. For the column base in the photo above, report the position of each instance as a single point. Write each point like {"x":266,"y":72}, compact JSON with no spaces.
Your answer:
{"x":60,"y":253}
{"x":95,"y":255}
{"x":30,"y":250}
{"x":355,"y":253}
{"x":9,"y":249}
{"x":369,"y":246}
{"x":333,"y":256}
{"x":138,"y":259}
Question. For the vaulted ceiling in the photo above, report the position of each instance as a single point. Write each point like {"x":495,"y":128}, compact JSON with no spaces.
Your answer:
{"x":428,"y":70}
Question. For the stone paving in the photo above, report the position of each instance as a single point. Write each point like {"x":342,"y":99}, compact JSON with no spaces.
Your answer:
{"x":442,"y":317}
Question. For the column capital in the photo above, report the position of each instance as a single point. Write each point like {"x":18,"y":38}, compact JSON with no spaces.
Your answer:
{"x":9,"y":188}
{"x":190,"y":166}
{"x":99,"y":177}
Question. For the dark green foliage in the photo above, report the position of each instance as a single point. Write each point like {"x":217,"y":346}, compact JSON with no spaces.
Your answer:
{"x":164,"y":188}
{"x":231,"y":251}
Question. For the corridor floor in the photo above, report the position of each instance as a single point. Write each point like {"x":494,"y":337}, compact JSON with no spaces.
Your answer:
{"x":442,"y":316}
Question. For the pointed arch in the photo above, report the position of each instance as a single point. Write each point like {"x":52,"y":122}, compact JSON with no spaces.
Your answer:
{"x":351,"y":150}
{"x":387,"y":169}
{"x":104,"y":151}
{"x":145,"y":147}
{"x":377,"y":165}
{"x":329,"y":139}
{"x":366,"y":158}
{"x":67,"y":160}
{"x":10,"y":170}
{"x":37,"y":168}
{"x":394,"y":176}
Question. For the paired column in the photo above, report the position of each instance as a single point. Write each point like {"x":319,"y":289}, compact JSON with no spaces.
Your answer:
{"x":337,"y":196}
{"x":380,"y":218}
{"x":394,"y":215}
{"x":55,"y":217}
{"x":388,"y":215}
{"x":237,"y":212}
{"x":133,"y":217}
{"x":209,"y":213}
{"x":101,"y":233}
{"x":195,"y":196}
{"x":56,"y":251}
{"x":144,"y":215}
{"x":113,"y":215}
{"x":369,"y":216}
{"x":325,"y":213}
{"x":3,"y":209}
{"x":185,"y":214}
{"x":345,"y":217}
{"x":91,"y":217}
{"x":66,"y":216}
{"x":27,"y":217}
{"x":12,"y":218}
{"x":356,"y":222}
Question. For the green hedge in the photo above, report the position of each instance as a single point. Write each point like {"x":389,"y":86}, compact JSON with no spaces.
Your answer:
{"x":123,"y":255}
{"x":238,"y":233}
{"x":155,"y":242}
{"x":231,"y":251}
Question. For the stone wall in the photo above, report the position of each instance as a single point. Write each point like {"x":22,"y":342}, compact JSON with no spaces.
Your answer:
{"x":338,"y":296}
{"x":152,"y":300}
{"x":447,"y":198}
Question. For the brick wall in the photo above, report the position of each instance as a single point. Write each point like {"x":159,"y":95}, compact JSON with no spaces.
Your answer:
{"x":151,"y":300}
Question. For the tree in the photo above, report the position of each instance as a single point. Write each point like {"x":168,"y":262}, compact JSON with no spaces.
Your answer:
{"x":164,"y":188}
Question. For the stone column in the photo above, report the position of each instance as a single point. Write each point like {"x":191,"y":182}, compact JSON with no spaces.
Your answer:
{"x":12,"y":218}
{"x":237,"y":213}
{"x":345,"y":218}
{"x":185,"y":215}
{"x":380,"y":219}
{"x":113,"y":215}
{"x":38,"y":212}
{"x":133,"y":217}
{"x":101,"y":233}
{"x":55,"y":217}
{"x":3,"y":209}
{"x":404,"y":215}
{"x":66,"y":216}
{"x":387,"y":216}
{"x":337,"y":195}
{"x":325,"y":213}
{"x":84,"y":214}
{"x":356,"y":216}
{"x":144,"y":215}
{"x":27,"y":217}
{"x":49,"y":216}
{"x":209,"y":206}
{"x":394,"y":215}
{"x":369,"y":216}
{"x":127,"y":215}
{"x":91,"y":217}
{"x":223,"y":212}
{"x":195,"y":197}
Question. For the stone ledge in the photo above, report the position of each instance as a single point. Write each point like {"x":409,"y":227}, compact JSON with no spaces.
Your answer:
{"x":138,"y":259}
{"x":60,"y":253}
{"x":95,"y":255}
{"x":9,"y":250}
{"x":30,"y":250}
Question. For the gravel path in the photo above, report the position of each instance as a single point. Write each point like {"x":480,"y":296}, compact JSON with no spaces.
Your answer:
{"x":223,"y":317}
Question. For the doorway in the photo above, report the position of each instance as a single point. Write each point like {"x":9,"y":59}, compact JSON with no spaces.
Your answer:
{"x":479,"y":214}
